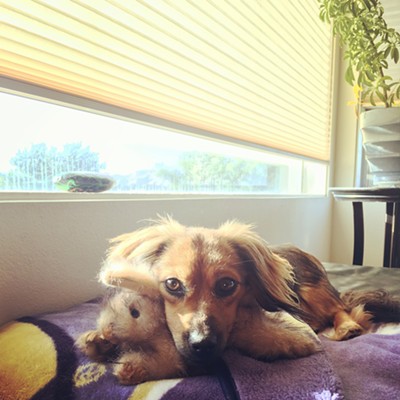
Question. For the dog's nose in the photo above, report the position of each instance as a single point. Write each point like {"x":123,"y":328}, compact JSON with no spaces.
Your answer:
{"x":203,"y":349}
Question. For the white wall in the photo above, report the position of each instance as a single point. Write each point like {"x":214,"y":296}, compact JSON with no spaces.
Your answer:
{"x":51,"y":251}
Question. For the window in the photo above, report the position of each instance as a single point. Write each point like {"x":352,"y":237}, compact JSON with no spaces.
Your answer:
{"x":253,"y":74}
{"x":45,"y":141}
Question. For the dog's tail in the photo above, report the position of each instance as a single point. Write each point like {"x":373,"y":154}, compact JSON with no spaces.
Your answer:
{"x":380,"y":305}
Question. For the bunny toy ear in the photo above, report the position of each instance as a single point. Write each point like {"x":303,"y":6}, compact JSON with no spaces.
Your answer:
{"x":123,"y":274}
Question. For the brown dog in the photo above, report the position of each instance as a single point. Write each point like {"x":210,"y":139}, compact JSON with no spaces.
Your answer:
{"x":224,"y":287}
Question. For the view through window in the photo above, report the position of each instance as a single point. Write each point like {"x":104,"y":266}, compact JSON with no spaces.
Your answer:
{"x":41,"y":141}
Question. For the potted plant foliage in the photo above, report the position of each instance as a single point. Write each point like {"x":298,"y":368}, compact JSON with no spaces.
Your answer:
{"x":369,"y":47}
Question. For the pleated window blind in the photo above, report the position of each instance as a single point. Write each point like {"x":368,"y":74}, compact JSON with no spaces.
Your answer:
{"x":253,"y":70}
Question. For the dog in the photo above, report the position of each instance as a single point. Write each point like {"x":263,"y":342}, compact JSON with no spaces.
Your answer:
{"x":132,"y":334}
{"x":227,"y":287}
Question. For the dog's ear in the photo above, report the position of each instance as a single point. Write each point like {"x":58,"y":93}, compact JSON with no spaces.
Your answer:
{"x":270,"y":277}
{"x":146,"y":244}
{"x":131,"y":255}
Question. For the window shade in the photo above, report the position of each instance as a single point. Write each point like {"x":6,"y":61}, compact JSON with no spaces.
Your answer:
{"x":257,"y":71}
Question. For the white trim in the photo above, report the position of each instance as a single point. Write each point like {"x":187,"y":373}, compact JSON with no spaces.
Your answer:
{"x":45,"y":197}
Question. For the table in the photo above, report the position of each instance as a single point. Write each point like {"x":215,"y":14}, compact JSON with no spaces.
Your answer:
{"x":391,"y":196}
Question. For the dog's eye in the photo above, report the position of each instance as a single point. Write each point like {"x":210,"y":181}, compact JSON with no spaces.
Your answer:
{"x":225,"y":287}
{"x":174,"y":286}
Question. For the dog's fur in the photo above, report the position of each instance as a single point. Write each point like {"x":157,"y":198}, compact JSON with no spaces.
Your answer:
{"x":227,"y":288}
{"x":132,"y":333}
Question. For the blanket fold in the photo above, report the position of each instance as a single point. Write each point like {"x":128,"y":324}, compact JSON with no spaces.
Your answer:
{"x":308,"y":378}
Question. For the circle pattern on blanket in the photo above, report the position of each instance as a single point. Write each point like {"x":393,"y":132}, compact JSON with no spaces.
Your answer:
{"x":88,"y":373}
{"x":28,"y":360}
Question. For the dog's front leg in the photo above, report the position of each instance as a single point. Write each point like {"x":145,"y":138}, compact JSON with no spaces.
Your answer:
{"x":272,"y":335}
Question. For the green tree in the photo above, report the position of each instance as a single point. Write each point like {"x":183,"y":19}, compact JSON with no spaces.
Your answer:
{"x":213,"y":172}
{"x":35,"y":168}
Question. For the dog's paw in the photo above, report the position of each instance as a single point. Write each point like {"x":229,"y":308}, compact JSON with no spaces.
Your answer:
{"x":347,"y":330}
{"x":270,"y":336}
{"x":306,"y":345}
{"x":295,"y":339}
{"x":95,"y":346}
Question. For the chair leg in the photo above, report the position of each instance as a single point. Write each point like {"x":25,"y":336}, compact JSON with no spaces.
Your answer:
{"x":358,"y":219}
{"x":388,"y":235}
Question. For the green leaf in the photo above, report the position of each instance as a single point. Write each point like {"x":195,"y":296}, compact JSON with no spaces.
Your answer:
{"x":390,"y":99}
{"x":349,"y":76}
{"x":371,"y":99}
{"x":383,"y":79}
{"x":370,"y":75}
{"x":381,"y":96}
{"x":396,"y":55}
{"x":367,"y":4}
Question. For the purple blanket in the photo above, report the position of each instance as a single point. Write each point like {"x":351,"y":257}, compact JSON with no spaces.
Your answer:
{"x":369,"y":366}
{"x":38,"y":361}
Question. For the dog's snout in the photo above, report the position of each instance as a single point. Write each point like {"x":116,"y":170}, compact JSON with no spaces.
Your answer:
{"x":204,"y":346}
{"x":203,"y":349}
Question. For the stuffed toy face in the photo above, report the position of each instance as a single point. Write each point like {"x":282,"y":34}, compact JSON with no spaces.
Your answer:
{"x":130,"y":317}
{"x":132,"y":334}
{"x":127,"y":320}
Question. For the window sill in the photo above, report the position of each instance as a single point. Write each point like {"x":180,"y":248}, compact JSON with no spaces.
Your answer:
{"x":42,"y":197}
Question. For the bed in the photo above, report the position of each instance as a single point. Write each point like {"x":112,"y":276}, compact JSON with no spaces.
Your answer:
{"x":38,"y":361}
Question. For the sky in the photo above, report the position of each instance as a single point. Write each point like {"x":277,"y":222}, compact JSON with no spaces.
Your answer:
{"x":124,"y":146}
